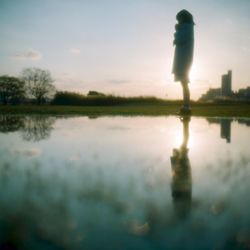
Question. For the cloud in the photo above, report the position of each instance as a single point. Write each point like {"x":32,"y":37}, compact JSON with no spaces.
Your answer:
{"x":30,"y":152}
{"x":71,"y":82}
{"x":68,"y":80}
{"x":74,"y":158}
{"x":245,"y":49}
{"x":117,"y":86}
{"x":117,"y":81}
{"x":75,"y":51}
{"x":30,"y":54}
{"x":201,"y":81}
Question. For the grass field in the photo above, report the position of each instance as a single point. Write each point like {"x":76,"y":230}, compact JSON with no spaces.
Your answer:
{"x":198,"y":109}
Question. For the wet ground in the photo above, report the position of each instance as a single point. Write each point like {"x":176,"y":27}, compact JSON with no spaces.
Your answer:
{"x":124,"y":183}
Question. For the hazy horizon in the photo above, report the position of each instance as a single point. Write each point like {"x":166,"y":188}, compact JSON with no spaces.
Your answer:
{"x":124,"y":47}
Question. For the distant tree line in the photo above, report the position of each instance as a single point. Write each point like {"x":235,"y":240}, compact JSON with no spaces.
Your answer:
{"x":94,"y":98}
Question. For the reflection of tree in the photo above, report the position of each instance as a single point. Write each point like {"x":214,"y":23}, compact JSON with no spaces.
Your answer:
{"x":37,"y":128}
{"x":10,"y":123}
{"x":181,"y":170}
{"x":33,"y":128}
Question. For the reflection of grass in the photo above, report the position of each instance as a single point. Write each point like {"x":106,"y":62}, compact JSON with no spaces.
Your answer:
{"x":70,"y":206}
{"x":239,"y":110}
{"x":36,"y":205}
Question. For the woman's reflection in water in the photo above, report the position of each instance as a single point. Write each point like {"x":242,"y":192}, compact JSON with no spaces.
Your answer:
{"x":181,"y":185}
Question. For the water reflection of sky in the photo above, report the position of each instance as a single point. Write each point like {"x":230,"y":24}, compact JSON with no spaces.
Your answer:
{"x":111,"y":181}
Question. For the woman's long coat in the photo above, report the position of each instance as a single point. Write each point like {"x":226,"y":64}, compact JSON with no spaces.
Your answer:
{"x":184,"y":48}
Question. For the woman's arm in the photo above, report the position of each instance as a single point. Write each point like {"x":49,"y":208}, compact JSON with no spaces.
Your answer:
{"x":184,"y":35}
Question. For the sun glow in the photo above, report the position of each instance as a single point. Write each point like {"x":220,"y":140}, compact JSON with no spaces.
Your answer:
{"x":194,"y":72}
{"x":192,"y":139}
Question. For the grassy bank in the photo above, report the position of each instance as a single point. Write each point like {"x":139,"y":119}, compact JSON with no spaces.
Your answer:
{"x":198,"y":109}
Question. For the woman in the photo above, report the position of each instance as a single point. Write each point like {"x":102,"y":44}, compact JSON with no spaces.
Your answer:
{"x":183,"y":56}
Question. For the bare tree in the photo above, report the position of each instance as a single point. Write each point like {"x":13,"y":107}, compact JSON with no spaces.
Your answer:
{"x":38,"y":84}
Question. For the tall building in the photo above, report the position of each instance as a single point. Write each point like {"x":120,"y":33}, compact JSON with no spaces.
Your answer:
{"x":226,"y":84}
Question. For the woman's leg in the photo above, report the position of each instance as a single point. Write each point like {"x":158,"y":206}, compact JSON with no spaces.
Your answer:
{"x":186,"y":93}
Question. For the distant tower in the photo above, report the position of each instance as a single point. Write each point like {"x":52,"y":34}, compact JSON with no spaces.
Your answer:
{"x":226,"y":84}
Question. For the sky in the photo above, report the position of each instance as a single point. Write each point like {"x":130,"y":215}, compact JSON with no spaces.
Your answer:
{"x":124,"y":47}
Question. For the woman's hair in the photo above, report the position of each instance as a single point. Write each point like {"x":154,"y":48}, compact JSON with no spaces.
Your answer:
{"x":184,"y":16}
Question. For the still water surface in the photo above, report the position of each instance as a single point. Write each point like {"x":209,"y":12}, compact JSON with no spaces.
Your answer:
{"x":124,"y":183}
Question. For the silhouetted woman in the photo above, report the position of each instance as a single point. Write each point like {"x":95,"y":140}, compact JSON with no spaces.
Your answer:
{"x":183,"y":56}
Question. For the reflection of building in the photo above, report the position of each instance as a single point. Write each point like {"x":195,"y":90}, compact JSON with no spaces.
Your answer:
{"x":244,"y":121}
{"x":226,"y":84}
{"x":225,"y":129}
